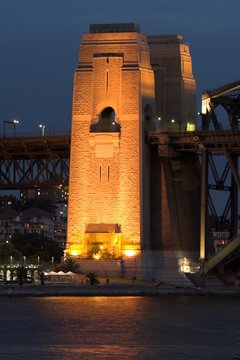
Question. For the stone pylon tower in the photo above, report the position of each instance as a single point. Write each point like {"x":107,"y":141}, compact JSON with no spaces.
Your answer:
{"x":175,"y":86}
{"x":113,"y":103}
{"x":175,"y":185}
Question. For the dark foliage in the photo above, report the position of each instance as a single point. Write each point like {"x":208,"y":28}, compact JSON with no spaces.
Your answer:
{"x":44,"y":204}
{"x":8,"y":250}
{"x":37,"y":245}
{"x":22,"y":275}
{"x":70,"y":265}
{"x":92,"y":277}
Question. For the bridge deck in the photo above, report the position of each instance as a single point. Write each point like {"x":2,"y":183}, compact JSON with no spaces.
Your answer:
{"x":26,"y":146}
{"x":214,"y":141}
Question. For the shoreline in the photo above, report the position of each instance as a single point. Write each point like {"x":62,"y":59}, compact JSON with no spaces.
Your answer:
{"x":81,"y":290}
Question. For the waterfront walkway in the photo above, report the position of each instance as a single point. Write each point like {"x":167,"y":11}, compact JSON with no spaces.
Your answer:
{"x":111,"y":289}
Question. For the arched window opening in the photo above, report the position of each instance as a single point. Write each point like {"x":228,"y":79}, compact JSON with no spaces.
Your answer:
{"x":106,"y":122}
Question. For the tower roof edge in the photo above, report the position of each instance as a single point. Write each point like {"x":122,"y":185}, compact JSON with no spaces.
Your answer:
{"x":112,"y":28}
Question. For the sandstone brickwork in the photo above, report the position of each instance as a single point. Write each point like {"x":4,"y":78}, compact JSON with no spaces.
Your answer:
{"x":106,"y":172}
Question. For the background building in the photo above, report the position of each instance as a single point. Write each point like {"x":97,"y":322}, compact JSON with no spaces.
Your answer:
{"x":54,"y":195}
{"x":48,"y":224}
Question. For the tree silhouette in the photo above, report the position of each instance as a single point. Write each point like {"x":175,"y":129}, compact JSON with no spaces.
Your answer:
{"x":70,"y":265}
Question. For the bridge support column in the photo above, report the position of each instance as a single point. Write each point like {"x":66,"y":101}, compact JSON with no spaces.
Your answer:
{"x":204,"y":203}
{"x":235,"y":187}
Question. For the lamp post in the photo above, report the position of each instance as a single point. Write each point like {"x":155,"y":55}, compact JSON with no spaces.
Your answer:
{"x":15,"y":122}
{"x":172,"y":125}
{"x":42,"y":127}
{"x":11,"y":122}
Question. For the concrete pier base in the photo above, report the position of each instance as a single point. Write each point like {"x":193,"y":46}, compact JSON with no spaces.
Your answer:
{"x":162,"y":267}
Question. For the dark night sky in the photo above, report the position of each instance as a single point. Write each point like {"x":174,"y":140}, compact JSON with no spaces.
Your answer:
{"x":40,"y":40}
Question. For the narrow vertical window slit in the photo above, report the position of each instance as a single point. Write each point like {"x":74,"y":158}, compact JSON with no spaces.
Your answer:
{"x":107,"y":81}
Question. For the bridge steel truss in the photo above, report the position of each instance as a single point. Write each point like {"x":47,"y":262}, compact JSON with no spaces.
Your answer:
{"x":225,"y":97}
{"x":218,"y":152}
{"x":34,"y":162}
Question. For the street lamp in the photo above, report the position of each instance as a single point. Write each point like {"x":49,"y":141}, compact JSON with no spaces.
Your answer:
{"x":42,"y":127}
{"x":11,"y":122}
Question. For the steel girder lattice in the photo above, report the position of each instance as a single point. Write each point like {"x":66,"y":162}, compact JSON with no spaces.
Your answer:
{"x":36,"y":162}
{"x":226,"y":97}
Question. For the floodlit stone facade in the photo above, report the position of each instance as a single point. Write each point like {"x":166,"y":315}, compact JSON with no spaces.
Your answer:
{"x":114,"y":73}
{"x":110,"y":200}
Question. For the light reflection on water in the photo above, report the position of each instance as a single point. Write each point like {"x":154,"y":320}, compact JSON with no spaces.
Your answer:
{"x":166,"y":328}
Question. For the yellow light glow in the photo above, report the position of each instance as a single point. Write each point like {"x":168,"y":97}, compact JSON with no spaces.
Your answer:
{"x":130,"y":252}
{"x":190,"y":127}
{"x":74,"y":250}
{"x":187,"y":266}
{"x":96,"y":256}
{"x":184,"y":265}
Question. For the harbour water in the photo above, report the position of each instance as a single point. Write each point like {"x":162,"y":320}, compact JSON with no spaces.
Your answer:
{"x":166,"y":328}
